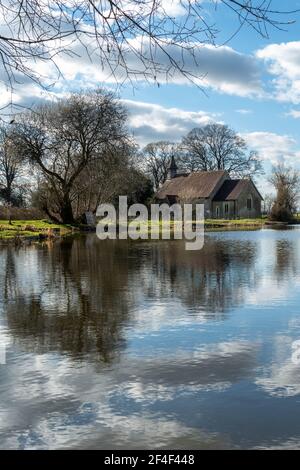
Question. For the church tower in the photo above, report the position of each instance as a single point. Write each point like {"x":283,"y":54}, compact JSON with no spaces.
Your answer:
{"x":172,"y":170}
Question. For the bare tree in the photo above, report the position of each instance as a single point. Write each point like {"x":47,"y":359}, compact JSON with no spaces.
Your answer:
{"x":194,"y":155}
{"x":269,"y":200}
{"x":62,"y":139}
{"x":155,"y":160}
{"x":114,"y":174}
{"x":11,"y":170}
{"x":128,"y":38}
{"x":102,"y":181}
{"x":286,"y":181}
{"x":217,"y":147}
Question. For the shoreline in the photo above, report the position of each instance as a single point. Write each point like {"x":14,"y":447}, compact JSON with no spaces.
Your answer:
{"x":20,"y":231}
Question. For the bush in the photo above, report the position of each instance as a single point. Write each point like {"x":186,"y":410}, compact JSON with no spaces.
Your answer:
{"x":280,"y":213}
{"x":19,"y":213}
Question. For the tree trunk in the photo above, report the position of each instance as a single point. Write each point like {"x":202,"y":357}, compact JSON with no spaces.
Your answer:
{"x":50,"y":215}
{"x":66,"y":211}
{"x":8,"y":194}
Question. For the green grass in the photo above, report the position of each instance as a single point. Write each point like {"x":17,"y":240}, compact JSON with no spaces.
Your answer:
{"x":221,"y":223}
{"x":30,"y":228}
{"x":235,"y":223}
{"x":35,"y":228}
{"x":297,"y":218}
{"x":161,"y":227}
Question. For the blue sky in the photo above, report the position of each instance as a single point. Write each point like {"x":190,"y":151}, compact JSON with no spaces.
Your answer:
{"x":260,"y":99}
{"x":252,"y":84}
{"x":270,"y":119}
{"x":250,"y":113}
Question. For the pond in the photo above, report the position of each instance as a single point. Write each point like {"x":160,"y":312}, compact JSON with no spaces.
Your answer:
{"x":125,"y":345}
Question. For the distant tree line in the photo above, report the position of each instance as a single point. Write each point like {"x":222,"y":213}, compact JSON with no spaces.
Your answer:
{"x":67,"y":157}
{"x":209,"y":148}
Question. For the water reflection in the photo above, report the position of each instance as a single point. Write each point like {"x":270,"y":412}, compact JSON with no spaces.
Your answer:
{"x":77,"y":296}
{"x":286,"y":259}
{"x":209,"y":281}
{"x":71,"y":297}
{"x":127,"y":345}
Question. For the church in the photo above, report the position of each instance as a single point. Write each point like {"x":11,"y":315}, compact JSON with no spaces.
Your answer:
{"x":222,"y":196}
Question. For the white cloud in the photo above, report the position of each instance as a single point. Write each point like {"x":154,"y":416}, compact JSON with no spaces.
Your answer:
{"x":215,"y":367}
{"x":282,"y":377}
{"x":152,"y":122}
{"x":218,"y":68}
{"x":283,"y":61}
{"x":67,"y":405}
{"x":244,"y":111}
{"x":294,"y":113}
{"x":221,"y":68}
{"x":282,"y":381}
{"x":274,"y":148}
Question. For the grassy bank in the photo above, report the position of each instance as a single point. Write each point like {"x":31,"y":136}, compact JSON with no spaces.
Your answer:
{"x":32,"y":229}
{"x":225,"y":223}
{"x":41,"y":229}
{"x":239,"y":223}
{"x":210,"y":224}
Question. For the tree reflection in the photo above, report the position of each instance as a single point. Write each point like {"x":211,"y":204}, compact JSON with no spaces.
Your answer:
{"x":75,"y":298}
{"x":78,"y":296}
{"x":286,"y":259}
{"x":210,"y":281}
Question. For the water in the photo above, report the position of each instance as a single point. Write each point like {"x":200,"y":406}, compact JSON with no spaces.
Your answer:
{"x":144,"y":345}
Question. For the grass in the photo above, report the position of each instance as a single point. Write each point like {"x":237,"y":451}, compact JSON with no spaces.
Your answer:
{"x":235,"y":223}
{"x":31,"y":228}
{"x":222,"y":223}
{"x":21,"y":229}
{"x":161,"y":227}
{"x":297,"y":218}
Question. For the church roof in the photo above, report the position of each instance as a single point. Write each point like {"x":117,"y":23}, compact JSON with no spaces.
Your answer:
{"x":203,"y":184}
{"x":200,"y":184}
{"x":232,"y":189}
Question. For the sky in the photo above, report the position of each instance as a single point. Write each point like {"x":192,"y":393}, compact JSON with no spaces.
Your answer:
{"x":251,"y":83}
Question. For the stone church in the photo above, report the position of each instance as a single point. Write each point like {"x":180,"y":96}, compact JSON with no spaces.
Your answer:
{"x":223,"y":197}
